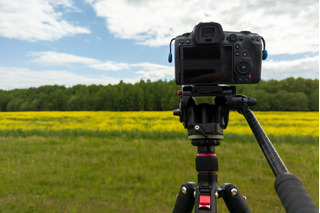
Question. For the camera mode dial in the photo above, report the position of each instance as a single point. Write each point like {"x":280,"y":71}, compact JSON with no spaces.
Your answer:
{"x":245,"y":32}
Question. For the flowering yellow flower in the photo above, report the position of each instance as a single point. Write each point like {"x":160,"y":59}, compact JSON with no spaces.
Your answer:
{"x":275,"y":123}
{"x":278,"y":123}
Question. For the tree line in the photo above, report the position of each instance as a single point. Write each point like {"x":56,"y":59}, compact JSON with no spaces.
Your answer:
{"x":284,"y":95}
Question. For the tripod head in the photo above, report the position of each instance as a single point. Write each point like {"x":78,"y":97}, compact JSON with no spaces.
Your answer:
{"x":205,"y":122}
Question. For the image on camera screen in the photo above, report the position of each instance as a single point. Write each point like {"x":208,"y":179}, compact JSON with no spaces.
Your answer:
{"x":207,"y":64}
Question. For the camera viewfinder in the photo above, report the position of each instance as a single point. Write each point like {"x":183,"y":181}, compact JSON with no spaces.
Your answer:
{"x":208,"y":32}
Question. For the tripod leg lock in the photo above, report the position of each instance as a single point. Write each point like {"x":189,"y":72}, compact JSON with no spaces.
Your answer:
{"x":233,"y":199}
{"x":185,"y":198}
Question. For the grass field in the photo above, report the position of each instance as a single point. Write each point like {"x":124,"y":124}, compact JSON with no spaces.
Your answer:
{"x":137,"y":161}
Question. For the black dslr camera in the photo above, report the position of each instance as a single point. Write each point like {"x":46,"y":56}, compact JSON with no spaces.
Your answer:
{"x":209,"y":55}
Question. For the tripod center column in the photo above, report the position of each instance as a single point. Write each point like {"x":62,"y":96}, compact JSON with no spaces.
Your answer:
{"x":207,"y":167}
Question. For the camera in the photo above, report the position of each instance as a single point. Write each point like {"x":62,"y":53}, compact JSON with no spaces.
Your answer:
{"x":209,"y":55}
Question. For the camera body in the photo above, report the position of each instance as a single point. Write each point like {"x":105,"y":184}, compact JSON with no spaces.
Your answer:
{"x":209,"y":55}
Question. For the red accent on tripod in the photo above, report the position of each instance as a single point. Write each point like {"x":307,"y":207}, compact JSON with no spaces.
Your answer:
{"x":204,"y":202}
{"x":206,"y":155}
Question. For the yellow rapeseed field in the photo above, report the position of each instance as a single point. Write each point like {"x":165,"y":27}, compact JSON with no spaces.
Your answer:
{"x":274,"y":123}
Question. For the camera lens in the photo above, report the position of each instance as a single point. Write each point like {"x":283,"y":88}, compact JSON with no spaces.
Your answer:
{"x":208,"y":32}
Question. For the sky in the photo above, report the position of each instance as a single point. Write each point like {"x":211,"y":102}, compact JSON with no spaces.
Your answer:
{"x":69,"y":42}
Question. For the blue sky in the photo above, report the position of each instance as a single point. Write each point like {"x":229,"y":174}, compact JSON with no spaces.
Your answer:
{"x":68,"y":42}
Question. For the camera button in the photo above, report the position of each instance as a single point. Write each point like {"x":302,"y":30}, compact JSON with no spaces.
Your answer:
{"x":238,"y":46}
{"x":243,"y":67}
{"x":237,"y":53}
{"x":246,"y":79}
{"x":187,"y":42}
{"x":244,"y":54}
{"x":233,"y":38}
{"x":240,"y":79}
{"x":255,"y":38}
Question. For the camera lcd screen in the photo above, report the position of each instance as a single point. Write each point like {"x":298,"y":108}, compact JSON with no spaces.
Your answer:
{"x":206,"y":64}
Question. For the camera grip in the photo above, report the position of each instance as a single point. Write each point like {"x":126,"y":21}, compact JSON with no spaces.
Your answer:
{"x":293,"y":195}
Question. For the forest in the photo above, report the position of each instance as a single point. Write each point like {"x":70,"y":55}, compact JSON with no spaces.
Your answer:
{"x":285,"y":95}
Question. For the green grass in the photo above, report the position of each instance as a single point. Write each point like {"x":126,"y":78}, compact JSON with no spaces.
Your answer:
{"x":114,"y":173}
{"x":156,"y":135}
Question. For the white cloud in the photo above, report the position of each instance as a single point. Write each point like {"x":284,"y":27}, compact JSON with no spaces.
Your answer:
{"x":12,"y":77}
{"x":34,"y":20}
{"x":15,"y":77}
{"x":143,"y":70}
{"x":51,"y":58}
{"x":66,"y":4}
{"x":288,"y":26}
{"x":154,"y":71}
{"x":305,"y":68}
{"x":110,"y":66}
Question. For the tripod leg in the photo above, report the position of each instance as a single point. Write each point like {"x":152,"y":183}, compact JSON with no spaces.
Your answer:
{"x":233,"y":199}
{"x":185,"y":198}
{"x":289,"y":188}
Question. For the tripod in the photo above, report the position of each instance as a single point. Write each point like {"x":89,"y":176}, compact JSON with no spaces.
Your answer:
{"x":205,"y":124}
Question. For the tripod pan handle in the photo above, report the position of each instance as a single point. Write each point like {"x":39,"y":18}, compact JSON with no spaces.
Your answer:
{"x":293,"y":195}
